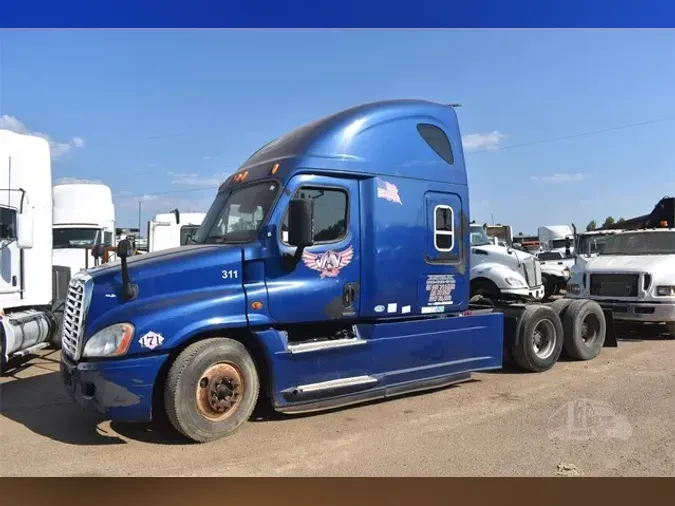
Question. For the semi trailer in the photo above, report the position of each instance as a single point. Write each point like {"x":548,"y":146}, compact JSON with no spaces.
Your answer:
{"x":333,"y":267}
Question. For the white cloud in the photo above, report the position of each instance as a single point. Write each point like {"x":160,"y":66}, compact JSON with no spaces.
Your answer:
{"x":77,"y":180}
{"x":483,"y":142}
{"x":561,"y":177}
{"x":194,"y":179}
{"x":56,"y":149}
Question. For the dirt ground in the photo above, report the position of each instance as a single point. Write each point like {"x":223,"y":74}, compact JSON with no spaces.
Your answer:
{"x":613,"y":416}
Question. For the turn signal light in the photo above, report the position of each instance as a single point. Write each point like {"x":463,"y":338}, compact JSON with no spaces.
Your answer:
{"x":256,"y":305}
{"x":274,"y":169}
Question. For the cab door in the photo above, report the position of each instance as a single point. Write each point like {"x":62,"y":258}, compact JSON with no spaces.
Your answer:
{"x":324,"y":284}
{"x":10,"y":271}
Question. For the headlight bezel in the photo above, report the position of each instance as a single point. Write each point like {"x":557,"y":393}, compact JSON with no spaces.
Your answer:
{"x":668,"y":291}
{"x":108,"y":342}
{"x":514,"y":282}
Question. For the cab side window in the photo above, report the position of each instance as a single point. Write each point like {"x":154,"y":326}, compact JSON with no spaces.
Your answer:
{"x":7,"y":224}
{"x":330,"y":214}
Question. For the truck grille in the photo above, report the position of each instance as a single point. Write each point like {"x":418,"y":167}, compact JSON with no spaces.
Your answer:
{"x":614,"y":285}
{"x":74,"y":315}
{"x":532,"y":272}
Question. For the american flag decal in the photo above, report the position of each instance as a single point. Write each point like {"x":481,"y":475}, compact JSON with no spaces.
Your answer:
{"x":388,"y":191}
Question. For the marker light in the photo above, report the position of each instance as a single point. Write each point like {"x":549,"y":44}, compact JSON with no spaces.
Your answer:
{"x":256,"y":305}
{"x":275,"y":169}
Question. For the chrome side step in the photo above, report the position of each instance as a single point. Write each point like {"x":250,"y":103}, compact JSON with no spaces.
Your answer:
{"x":325,"y":345}
{"x":335,"y":384}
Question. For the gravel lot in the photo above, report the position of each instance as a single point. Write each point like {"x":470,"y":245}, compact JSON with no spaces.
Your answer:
{"x":611,"y":416}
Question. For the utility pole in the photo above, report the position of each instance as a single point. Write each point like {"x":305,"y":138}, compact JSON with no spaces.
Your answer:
{"x":139,"y":218}
{"x":492,"y":218}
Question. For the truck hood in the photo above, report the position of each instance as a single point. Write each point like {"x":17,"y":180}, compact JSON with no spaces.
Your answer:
{"x":496,"y":252}
{"x":174,"y":270}
{"x":637,"y":263}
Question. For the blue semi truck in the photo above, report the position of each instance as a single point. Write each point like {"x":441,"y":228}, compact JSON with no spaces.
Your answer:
{"x":332,"y":268}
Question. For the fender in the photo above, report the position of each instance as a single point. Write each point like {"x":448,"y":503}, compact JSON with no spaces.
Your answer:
{"x":177,"y":317}
{"x":497,"y":273}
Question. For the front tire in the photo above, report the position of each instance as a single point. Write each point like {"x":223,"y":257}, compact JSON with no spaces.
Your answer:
{"x":211,"y":389}
{"x":539,"y":339}
{"x":670,"y":330}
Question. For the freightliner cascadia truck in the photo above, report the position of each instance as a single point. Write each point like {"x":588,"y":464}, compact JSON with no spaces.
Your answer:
{"x":332,"y":268}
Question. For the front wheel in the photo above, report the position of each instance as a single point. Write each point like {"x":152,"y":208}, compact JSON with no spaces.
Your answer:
{"x":211,"y":389}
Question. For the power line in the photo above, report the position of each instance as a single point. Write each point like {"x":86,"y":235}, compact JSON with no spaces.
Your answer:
{"x":576,"y":136}
{"x":504,"y":148}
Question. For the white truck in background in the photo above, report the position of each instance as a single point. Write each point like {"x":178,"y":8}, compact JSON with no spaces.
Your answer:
{"x":556,"y":238}
{"x":32,"y":290}
{"x":633,"y":273}
{"x":172,"y":230}
{"x":83,"y":216}
{"x":499,"y":272}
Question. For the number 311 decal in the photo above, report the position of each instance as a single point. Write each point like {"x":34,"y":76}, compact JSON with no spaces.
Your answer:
{"x":230,"y":274}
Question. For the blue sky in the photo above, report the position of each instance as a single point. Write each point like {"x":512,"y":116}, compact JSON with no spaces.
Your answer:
{"x":155,"y":111}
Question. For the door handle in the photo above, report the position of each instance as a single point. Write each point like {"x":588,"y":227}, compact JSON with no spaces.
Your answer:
{"x":348,"y":295}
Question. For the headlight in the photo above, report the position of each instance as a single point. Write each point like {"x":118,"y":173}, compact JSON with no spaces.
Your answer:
{"x":110,"y":341}
{"x":665,"y":291}
{"x":514,"y":282}
{"x":573,"y":288}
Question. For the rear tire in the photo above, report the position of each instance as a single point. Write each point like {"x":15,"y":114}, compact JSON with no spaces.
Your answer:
{"x":211,"y":389}
{"x":560,"y":306}
{"x":585,"y":329}
{"x":539,"y":339}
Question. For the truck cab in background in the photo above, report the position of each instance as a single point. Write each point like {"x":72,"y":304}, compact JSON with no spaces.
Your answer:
{"x":633,"y":273}
{"x":500,"y":272}
{"x":558,"y":238}
{"x":334,"y":267}
{"x":172,"y":230}
{"x":83,"y":216}
{"x":32,"y":291}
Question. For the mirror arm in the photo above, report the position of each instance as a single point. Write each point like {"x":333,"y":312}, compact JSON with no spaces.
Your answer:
{"x":290,"y":262}
{"x":130,"y":291}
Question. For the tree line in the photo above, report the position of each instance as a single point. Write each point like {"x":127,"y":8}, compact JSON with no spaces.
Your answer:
{"x":592,"y":225}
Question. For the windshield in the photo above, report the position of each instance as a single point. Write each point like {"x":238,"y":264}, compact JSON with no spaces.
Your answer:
{"x":187,"y":233}
{"x":236,"y":216}
{"x":558,"y":243}
{"x":478,"y":236}
{"x":76,"y":237}
{"x":592,"y":244}
{"x":640,"y":243}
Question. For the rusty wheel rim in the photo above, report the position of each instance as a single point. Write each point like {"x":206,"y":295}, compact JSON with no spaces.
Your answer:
{"x":219,"y":391}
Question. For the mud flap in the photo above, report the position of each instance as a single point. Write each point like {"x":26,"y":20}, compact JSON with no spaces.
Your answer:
{"x":610,"y":337}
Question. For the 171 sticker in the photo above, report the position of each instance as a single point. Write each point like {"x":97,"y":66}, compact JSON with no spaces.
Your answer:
{"x":151,"y":340}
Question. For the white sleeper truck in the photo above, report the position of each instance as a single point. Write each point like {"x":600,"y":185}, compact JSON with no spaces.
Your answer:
{"x":32,"y":291}
{"x":633,"y":274}
{"x":84,"y":216}
{"x":172,"y":230}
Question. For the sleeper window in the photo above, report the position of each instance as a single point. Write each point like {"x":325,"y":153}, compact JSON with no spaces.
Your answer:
{"x":444,"y":234}
{"x":437,"y":140}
